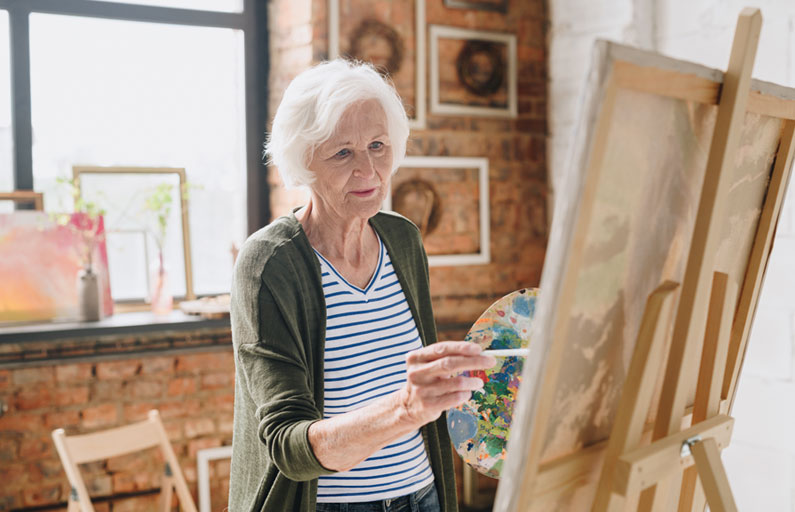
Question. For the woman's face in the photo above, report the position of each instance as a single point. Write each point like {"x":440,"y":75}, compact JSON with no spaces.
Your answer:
{"x":352,"y":168}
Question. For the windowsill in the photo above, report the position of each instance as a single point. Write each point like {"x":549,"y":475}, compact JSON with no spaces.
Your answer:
{"x":135,"y":323}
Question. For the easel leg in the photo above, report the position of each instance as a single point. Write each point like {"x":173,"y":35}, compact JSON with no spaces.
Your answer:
{"x":713,"y":476}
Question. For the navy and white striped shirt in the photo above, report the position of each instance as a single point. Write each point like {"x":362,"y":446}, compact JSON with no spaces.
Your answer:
{"x":368,"y":333}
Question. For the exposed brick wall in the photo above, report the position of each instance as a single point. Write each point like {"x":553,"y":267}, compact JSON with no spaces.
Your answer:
{"x":194,"y":393}
{"x":516,"y":148}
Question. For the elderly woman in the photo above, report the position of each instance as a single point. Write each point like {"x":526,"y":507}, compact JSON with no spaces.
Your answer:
{"x":341,"y":387}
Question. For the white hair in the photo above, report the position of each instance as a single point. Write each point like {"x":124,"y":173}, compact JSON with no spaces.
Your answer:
{"x":312,"y":106}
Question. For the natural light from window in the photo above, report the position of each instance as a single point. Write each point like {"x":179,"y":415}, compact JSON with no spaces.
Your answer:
{"x":201,"y":5}
{"x":119,"y":93}
{"x":6,"y":149}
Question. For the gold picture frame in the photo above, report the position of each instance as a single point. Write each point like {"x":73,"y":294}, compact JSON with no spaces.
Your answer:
{"x":79,"y":170}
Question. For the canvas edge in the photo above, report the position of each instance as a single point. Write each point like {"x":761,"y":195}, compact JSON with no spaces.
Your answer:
{"x":561,"y":234}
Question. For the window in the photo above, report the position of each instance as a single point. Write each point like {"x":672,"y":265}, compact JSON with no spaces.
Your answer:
{"x":204,"y":5}
{"x":6,"y":149}
{"x":123,"y":93}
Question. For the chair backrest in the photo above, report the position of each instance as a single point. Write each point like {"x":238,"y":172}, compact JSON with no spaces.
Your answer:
{"x":25,"y":196}
{"x":79,"y":449}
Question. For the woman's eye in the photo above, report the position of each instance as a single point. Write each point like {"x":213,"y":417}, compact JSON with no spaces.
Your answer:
{"x":342,"y":153}
{"x":376,"y":145}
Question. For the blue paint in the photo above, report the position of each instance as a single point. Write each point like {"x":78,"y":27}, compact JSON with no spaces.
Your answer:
{"x":462,"y":427}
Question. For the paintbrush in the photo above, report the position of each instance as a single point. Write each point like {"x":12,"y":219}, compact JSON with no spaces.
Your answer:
{"x":507,"y":352}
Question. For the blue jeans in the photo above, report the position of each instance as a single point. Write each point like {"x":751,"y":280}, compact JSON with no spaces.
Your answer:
{"x":424,"y":500}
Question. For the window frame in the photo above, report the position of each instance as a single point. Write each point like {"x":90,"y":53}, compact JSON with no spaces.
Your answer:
{"x":253,"y":21}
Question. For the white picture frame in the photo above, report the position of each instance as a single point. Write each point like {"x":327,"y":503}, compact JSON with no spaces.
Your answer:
{"x":438,"y":32}
{"x":418,"y":122}
{"x":483,"y":256}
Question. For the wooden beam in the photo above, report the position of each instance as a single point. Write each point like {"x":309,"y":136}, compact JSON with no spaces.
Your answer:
{"x":638,"y":389}
{"x":644,"y":467}
{"x":713,"y":476}
{"x":710,"y":375}
{"x":691,"y":314}
{"x":763,"y":243}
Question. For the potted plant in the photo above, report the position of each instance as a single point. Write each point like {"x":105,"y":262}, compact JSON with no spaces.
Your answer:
{"x":87,"y":224}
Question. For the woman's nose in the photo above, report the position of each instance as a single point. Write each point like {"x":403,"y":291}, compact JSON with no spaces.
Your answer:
{"x":364,"y":166}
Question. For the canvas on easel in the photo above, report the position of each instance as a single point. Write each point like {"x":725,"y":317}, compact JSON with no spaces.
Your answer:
{"x":621,"y":255}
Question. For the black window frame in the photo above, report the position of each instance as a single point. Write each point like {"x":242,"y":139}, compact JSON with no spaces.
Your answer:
{"x":253,"y":21}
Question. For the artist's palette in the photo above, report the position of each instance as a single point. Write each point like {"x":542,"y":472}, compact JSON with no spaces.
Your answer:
{"x":479,"y":428}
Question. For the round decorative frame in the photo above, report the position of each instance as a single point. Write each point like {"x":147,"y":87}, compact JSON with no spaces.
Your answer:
{"x":467,"y":67}
{"x":431,"y":211}
{"x":372,"y":27}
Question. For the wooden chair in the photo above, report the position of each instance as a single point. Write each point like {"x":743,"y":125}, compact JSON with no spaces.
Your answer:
{"x":79,"y":449}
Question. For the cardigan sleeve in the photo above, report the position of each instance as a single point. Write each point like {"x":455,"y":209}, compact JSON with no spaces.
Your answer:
{"x":276,"y":376}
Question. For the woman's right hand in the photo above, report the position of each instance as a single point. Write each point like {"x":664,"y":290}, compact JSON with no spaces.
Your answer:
{"x":433,"y":380}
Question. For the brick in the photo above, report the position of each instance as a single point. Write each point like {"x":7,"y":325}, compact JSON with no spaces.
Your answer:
{"x":192,"y":363}
{"x":136,"y":389}
{"x":157,"y":365}
{"x":182,"y":408}
{"x":104,"y":415}
{"x":49,"y":468}
{"x":117,"y":369}
{"x":201,"y":444}
{"x":36,"y":448}
{"x":198,"y":427}
{"x":28,"y":376}
{"x":74,"y":372}
{"x":100,"y":485}
{"x":218,"y":380}
{"x":5,"y":379}
{"x":75,"y":395}
{"x":42,"y":496}
{"x":62,"y":419}
{"x":222,"y":403}
{"x":137,"y":411}
{"x":105,"y":390}
{"x":9,"y":448}
{"x":34,"y":397}
{"x":182,"y":386}
{"x":21,"y":422}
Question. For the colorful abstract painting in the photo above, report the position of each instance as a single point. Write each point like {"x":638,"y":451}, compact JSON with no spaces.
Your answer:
{"x":39,"y":262}
{"x":480,"y":427}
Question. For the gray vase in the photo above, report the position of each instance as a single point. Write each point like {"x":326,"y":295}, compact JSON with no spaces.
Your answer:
{"x":88,"y":295}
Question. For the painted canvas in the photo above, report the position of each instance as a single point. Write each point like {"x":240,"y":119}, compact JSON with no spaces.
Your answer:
{"x":480,"y":427}
{"x":610,"y":248}
{"x":39,"y":261}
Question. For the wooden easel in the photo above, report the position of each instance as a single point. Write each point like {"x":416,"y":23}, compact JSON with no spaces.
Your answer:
{"x":663,"y":474}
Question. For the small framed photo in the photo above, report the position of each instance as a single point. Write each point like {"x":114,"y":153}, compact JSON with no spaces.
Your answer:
{"x":390,"y":36}
{"x":500,"y":6}
{"x":448,"y":199}
{"x":473,"y":72}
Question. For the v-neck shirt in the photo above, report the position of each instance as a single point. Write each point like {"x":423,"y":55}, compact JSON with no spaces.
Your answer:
{"x":368,"y":333}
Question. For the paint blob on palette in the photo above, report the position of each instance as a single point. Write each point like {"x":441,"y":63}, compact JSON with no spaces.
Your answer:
{"x":479,"y":428}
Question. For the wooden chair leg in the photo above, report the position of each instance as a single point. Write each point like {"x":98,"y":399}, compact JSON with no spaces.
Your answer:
{"x":166,"y":493}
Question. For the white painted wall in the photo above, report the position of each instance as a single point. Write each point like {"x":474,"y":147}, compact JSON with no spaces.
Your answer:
{"x":761,"y":459}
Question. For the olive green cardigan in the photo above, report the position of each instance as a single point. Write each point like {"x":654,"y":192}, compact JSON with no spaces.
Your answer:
{"x":278,"y":332}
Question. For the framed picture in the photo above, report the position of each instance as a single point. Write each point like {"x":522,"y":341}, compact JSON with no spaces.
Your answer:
{"x":448,"y":199}
{"x":391,"y":37}
{"x":479,"y":5}
{"x":126,"y":193}
{"x":473,"y":72}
